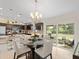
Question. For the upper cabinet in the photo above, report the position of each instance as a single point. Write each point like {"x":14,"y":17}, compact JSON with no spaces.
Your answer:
{"x":9,"y":29}
{"x":39,"y":26}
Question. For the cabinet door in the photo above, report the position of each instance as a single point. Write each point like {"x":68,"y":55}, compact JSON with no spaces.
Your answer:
{"x":39,"y":26}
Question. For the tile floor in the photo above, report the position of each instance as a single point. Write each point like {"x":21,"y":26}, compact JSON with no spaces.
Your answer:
{"x":58,"y":53}
{"x":62,"y":53}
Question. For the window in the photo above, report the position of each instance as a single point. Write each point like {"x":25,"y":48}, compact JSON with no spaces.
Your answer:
{"x":61,"y":34}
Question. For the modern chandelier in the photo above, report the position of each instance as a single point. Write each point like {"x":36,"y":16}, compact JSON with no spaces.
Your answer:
{"x":36,"y":15}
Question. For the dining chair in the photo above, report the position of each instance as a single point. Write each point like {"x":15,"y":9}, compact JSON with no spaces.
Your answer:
{"x":22,"y":51}
{"x":44,"y":51}
{"x":25,"y":39}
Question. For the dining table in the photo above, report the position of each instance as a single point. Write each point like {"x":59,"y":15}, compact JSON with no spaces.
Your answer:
{"x":35,"y":45}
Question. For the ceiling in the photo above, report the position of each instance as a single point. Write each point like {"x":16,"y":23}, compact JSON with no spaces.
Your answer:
{"x":48,"y":8}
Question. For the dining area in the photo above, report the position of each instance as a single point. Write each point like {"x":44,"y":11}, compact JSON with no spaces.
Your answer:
{"x":30,"y":47}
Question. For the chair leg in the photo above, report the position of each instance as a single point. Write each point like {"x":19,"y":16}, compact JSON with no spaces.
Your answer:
{"x":50,"y":56}
{"x":17,"y":57}
{"x":26,"y":56}
{"x":31,"y":55}
{"x":14,"y":55}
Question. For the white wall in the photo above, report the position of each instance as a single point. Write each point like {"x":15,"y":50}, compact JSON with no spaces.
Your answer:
{"x":63,"y":19}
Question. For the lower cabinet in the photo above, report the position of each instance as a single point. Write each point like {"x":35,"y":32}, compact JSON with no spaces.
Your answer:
{"x":75,"y":57}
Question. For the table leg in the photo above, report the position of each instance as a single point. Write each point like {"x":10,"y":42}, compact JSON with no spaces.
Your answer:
{"x":33,"y":53}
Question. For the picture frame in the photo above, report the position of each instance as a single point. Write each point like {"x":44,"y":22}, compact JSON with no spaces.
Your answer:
{"x":76,"y":52}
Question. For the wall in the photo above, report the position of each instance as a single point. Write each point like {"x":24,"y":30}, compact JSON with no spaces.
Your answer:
{"x":63,"y":19}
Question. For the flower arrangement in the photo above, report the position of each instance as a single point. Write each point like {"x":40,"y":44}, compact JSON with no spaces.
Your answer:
{"x":34,"y":37}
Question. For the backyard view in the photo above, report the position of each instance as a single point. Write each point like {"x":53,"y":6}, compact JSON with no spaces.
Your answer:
{"x":63,"y":34}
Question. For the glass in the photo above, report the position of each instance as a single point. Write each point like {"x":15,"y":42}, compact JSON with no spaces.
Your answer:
{"x":61,"y":34}
{"x":76,"y":52}
{"x":65,"y":34}
{"x":51,"y":31}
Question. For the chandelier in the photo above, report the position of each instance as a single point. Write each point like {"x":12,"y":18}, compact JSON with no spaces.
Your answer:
{"x":36,"y":15}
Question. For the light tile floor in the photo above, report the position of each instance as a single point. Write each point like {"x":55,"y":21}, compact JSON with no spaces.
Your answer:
{"x":62,"y":53}
{"x":58,"y":53}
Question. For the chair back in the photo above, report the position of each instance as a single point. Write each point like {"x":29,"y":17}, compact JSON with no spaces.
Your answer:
{"x":48,"y":46}
{"x":18,"y":41}
{"x":16,"y":49}
{"x":45,"y":50}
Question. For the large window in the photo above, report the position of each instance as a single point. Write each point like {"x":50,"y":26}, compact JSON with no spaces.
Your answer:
{"x":65,"y":34}
{"x":51,"y":29}
{"x":66,"y":28}
{"x":61,"y":33}
{"x":2,"y":30}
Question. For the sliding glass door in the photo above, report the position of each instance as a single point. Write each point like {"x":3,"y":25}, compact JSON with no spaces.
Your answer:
{"x":61,"y":34}
{"x":65,"y":35}
{"x":51,"y":31}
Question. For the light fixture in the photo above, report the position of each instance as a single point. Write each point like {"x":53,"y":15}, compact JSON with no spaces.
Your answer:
{"x":36,"y":15}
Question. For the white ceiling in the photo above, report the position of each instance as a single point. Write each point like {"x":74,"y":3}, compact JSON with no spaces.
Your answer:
{"x":48,"y":8}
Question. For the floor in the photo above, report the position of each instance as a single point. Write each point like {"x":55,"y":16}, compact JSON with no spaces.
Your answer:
{"x":58,"y":53}
{"x":62,"y":53}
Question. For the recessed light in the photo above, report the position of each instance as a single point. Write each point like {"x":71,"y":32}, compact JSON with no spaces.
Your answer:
{"x":1,"y":8}
{"x":19,"y":15}
{"x":11,"y":9}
